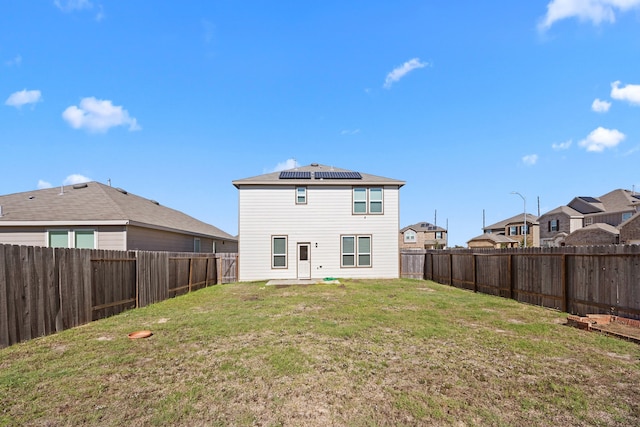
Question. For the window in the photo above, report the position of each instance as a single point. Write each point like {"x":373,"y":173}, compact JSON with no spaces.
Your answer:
{"x":513,"y":230}
{"x":301,"y":195}
{"x":588,"y":221}
{"x":360,"y":200}
{"x":554,"y":225}
{"x":367,"y":200}
{"x":356,"y":251}
{"x":58,"y":239}
{"x":196,"y":245}
{"x":84,"y":239}
{"x":626,"y":215}
{"x":524,"y":230}
{"x":409,"y":236}
{"x":279,"y":252}
{"x":438,"y":234}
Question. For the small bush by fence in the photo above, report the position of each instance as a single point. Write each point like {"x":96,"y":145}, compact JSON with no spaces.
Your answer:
{"x":577,"y":280}
{"x":46,"y":290}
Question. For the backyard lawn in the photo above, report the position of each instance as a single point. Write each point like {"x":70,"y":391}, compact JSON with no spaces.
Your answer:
{"x":359,"y":353}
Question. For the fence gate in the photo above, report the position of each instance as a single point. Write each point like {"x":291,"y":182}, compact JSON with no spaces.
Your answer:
{"x":228,"y":267}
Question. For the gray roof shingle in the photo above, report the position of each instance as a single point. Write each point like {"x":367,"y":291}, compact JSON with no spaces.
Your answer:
{"x":97,"y":203}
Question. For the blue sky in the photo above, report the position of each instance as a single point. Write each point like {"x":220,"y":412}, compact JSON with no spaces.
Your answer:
{"x":465,"y":101}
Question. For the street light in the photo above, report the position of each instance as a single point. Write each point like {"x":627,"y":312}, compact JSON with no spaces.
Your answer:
{"x":525,"y":216}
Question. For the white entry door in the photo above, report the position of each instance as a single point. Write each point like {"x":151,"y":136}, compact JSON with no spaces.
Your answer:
{"x":304,"y":261}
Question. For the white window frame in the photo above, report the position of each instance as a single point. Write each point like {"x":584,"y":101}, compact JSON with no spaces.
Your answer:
{"x":357,"y":251}
{"x":513,"y":230}
{"x":71,"y":237}
{"x":303,"y":196}
{"x":279,"y":255}
{"x":410,"y":236}
{"x":369,"y":201}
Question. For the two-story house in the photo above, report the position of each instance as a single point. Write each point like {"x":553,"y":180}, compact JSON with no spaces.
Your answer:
{"x":613,"y":209}
{"x":423,"y":235}
{"x":513,"y":228}
{"x":318,"y":221}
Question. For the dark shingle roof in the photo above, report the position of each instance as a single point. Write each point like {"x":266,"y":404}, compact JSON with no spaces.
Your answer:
{"x":97,"y":203}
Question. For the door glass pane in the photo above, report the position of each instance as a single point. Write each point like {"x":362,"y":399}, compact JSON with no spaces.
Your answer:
{"x":84,"y":239}
{"x":304,"y":253}
{"x":58,"y":239}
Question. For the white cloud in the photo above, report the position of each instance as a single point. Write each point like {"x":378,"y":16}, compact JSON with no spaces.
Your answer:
{"x":350,"y":132}
{"x":15,"y":61}
{"x":43,"y":184}
{"x":600,"y":106}
{"x":530,"y":159}
{"x":20,"y":98}
{"x":287,"y":164}
{"x":562,"y":145}
{"x":629,"y":93}
{"x":403,"y":70}
{"x":96,"y":115}
{"x":71,"y":5}
{"x":602,"y":138}
{"x":596,"y":11}
{"x":75,"y":179}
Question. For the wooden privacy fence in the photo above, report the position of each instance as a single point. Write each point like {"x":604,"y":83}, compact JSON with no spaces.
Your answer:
{"x":46,"y":290}
{"x":577,"y":280}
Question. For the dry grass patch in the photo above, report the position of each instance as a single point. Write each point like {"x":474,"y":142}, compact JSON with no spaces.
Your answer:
{"x":402,"y":352}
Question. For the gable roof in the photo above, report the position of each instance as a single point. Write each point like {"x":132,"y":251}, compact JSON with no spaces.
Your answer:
{"x":618,"y":200}
{"x":349,"y":177}
{"x":565,"y":210}
{"x":93,"y":203}
{"x":422,"y":226}
{"x":493,"y":237}
{"x":514,"y":219}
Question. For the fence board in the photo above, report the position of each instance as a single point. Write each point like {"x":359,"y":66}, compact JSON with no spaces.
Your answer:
{"x":4,"y":303}
{"x":579,"y":280}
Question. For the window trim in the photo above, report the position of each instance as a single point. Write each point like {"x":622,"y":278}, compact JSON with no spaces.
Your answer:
{"x":71,"y":237}
{"x":304,"y":196}
{"x":356,"y":251}
{"x":284,"y":255}
{"x":413,"y":234}
{"x":368,"y":201}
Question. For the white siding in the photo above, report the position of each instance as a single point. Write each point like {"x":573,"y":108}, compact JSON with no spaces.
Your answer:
{"x":267,"y":211}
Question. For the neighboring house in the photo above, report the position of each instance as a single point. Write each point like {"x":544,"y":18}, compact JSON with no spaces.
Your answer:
{"x":613,"y":209}
{"x":513,"y":228}
{"x":492,"y":240}
{"x":317,"y":221}
{"x":630,"y":230}
{"x":96,"y":216}
{"x":423,"y":235}
{"x":594,"y":234}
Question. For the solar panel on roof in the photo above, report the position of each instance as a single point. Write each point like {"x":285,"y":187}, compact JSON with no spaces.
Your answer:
{"x":338,"y":175}
{"x":295,"y":175}
{"x":590,"y":199}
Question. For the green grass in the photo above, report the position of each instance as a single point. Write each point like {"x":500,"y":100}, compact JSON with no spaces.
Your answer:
{"x":394,"y":352}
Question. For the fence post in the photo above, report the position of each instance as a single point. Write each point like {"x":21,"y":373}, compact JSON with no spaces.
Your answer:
{"x":565,"y":295}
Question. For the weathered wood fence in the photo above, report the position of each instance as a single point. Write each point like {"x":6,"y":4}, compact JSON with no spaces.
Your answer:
{"x":577,"y":280}
{"x":46,"y":290}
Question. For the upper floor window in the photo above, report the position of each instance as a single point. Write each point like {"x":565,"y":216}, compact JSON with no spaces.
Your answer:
{"x":554,"y":225}
{"x":367,"y":200}
{"x":301,"y":195}
{"x":524,"y":229}
{"x":513,"y":230}
{"x":626,"y":215}
{"x":438,"y":234}
{"x":409,"y":236}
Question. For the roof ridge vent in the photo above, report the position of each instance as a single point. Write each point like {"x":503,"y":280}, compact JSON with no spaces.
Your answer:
{"x":123,"y":191}
{"x":154,"y":202}
{"x":79,"y":186}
